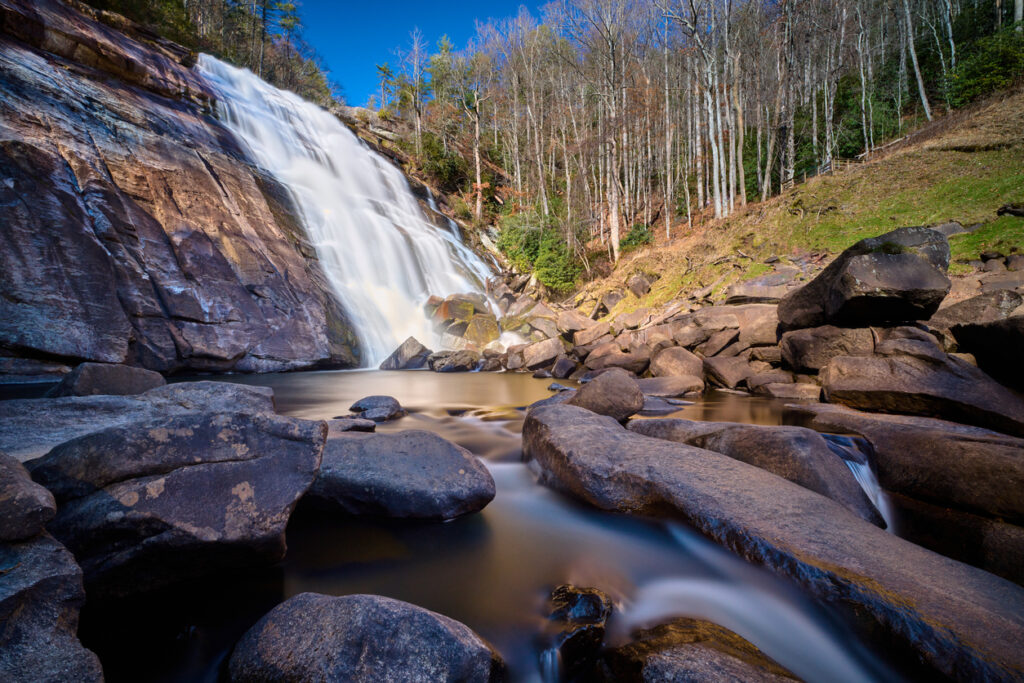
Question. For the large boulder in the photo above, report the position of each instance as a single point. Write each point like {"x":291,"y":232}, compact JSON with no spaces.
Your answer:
{"x":671,"y":387}
{"x":313,"y":637}
{"x":765,"y":289}
{"x":676,"y":361}
{"x":997,"y":346}
{"x":613,"y":393}
{"x":170,"y":499}
{"x":482,"y":329}
{"x":798,"y":454}
{"x":455,"y":361}
{"x":810,"y":349}
{"x":29,"y":428}
{"x":728,"y":372}
{"x":410,"y":355}
{"x":591,"y":334}
{"x":923,"y":381}
{"x":961,"y":621}
{"x":102,"y":378}
{"x":893,"y":278}
{"x":40,"y":598}
{"x":378,"y":408}
{"x":25,"y":506}
{"x":411,"y":474}
{"x":571,"y":321}
{"x":542,"y":353}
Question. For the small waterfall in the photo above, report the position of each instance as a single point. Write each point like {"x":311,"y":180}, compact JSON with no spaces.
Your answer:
{"x":854,"y":452}
{"x":382,"y":256}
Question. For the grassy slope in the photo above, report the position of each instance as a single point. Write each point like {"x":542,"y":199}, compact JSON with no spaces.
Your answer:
{"x":962,"y":168}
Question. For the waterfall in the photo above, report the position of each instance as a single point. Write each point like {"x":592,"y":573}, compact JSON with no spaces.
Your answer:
{"x":854,"y":452}
{"x":382,"y":257}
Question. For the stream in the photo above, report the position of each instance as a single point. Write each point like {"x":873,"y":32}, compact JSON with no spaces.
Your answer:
{"x":492,"y":570}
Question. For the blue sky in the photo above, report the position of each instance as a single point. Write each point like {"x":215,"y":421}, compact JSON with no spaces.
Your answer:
{"x":353,"y":37}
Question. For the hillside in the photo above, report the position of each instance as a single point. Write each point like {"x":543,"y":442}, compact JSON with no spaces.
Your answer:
{"x":962,"y":167}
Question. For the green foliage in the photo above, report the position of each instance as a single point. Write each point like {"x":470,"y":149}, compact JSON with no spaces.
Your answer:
{"x":638,"y":236}
{"x":531,"y":244}
{"x":994,"y":63}
{"x":446,"y":168}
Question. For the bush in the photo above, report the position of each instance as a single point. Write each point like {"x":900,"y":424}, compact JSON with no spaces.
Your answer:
{"x":638,"y":236}
{"x":447,"y":169}
{"x":994,"y":64}
{"x":532,"y":245}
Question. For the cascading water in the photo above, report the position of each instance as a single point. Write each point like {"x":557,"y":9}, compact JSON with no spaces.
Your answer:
{"x":854,"y":452}
{"x":381,"y":255}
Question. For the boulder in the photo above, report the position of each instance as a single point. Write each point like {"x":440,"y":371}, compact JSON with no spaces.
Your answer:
{"x":40,"y":598}
{"x":692,"y":650}
{"x":944,"y":463}
{"x":676,"y":362}
{"x":1015,"y":262}
{"x":170,"y":499}
{"x":997,"y":346}
{"x":613,"y":393}
{"x":639,"y":285}
{"x":893,"y":278}
{"x":765,"y":289}
{"x":410,"y":355}
{"x":313,"y":637}
{"x":89,"y":379}
{"x":754,"y":382}
{"x":571,"y":321}
{"x":810,"y":349}
{"x":350,"y":424}
{"x":591,"y":334}
{"x":768,"y":354}
{"x":960,"y":621}
{"x":541,"y":353}
{"x":460,"y":307}
{"x":633,"y":319}
{"x":717,"y":342}
{"x":798,"y":454}
{"x":794,"y":392}
{"x":482,"y":329}
{"x":577,"y":618}
{"x":547,"y":327}
{"x":927,"y":384}
{"x":670,"y":387}
{"x":29,"y":428}
{"x":728,"y":372}
{"x":378,"y":408}
{"x":634,"y":361}
{"x":563,"y":367}
{"x":456,"y":361}
{"x":411,"y":474}
{"x":25,"y":506}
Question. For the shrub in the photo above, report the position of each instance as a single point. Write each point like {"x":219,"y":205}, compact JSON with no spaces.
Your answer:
{"x":532,"y":244}
{"x":994,"y":63}
{"x":637,"y":236}
{"x":446,"y":168}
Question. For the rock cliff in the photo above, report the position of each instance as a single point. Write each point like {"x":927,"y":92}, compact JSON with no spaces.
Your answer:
{"x":133,"y":229}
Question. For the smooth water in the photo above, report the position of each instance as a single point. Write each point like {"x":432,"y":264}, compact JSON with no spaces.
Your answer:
{"x":491,"y":570}
{"x":381,"y":255}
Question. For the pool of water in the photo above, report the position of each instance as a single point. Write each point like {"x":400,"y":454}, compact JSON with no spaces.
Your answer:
{"x":491,"y":570}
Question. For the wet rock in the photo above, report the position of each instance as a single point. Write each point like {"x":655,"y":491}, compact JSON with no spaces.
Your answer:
{"x":613,"y":393}
{"x":40,"y":598}
{"x":350,"y":424}
{"x":810,"y":349}
{"x":29,"y":428}
{"x":99,"y":378}
{"x":676,"y":362}
{"x":728,"y":372}
{"x":482,"y":329}
{"x":410,"y":355}
{"x":411,"y":474}
{"x":960,"y":621}
{"x":941,"y":462}
{"x":997,"y":346}
{"x":456,"y":361}
{"x":171,"y":499}
{"x":639,"y":285}
{"x":542,"y":353}
{"x":893,"y":278}
{"x":929,"y":383}
{"x":313,"y":637}
{"x":670,"y":387}
{"x":795,"y":453}
{"x":25,"y":506}
{"x":563,"y":367}
{"x":577,"y":619}
{"x":692,"y":650}
{"x":378,"y":408}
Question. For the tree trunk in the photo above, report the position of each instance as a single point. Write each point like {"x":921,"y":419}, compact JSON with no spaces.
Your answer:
{"x":913,"y":59}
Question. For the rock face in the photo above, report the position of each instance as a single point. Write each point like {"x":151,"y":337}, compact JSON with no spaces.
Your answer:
{"x":795,"y":453}
{"x":613,"y":393}
{"x":809,"y":350}
{"x":40,"y":597}
{"x":676,"y":361}
{"x":313,"y":637}
{"x":411,"y":355}
{"x":929,"y":383}
{"x":165,"y":249}
{"x":173,"y":498}
{"x":997,"y":345}
{"x":412,"y":474}
{"x":89,"y":379}
{"x":963,"y":622}
{"x":29,"y":428}
{"x":25,"y":506}
{"x":893,"y":278}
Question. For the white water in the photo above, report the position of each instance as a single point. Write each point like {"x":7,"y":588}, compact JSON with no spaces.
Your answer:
{"x":381,"y":255}
{"x":854,"y":452}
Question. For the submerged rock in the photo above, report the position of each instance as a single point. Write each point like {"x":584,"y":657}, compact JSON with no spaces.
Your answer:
{"x":963,"y":622}
{"x":893,"y":278}
{"x":411,"y":474}
{"x":410,"y":355}
{"x":25,"y":506}
{"x":100,"y":378}
{"x":312,"y":637}
{"x":169,"y":499}
{"x":40,"y":598}
{"x":377,"y":408}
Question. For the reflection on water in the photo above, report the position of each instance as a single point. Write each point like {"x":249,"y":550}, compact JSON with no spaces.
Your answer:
{"x":491,"y":570}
